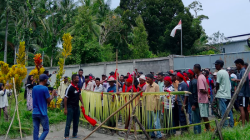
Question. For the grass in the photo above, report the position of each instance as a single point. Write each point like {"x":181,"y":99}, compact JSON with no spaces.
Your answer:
{"x":236,"y":133}
{"x":55,"y":116}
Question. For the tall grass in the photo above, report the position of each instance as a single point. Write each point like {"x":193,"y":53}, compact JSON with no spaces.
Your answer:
{"x":55,"y":116}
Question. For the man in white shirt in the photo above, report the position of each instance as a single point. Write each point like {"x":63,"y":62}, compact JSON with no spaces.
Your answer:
{"x":99,"y":87}
{"x":63,"y":86}
{"x":88,"y":85}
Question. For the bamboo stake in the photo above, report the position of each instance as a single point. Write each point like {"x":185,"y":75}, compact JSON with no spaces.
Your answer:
{"x":184,"y":109}
{"x":113,"y":114}
{"x":142,"y":127}
{"x":17,"y":109}
{"x":117,"y":84}
{"x":150,"y":130}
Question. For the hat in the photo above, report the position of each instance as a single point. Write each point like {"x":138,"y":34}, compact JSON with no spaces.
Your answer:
{"x":215,"y":73}
{"x":171,"y":71}
{"x":66,"y":77}
{"x":129,"y":80}
{"x":43,"y":77}
{"x":172,"y":74}
{"x":219,"y":62}
{"x":86,"y":76}
{"x":90,"y":74}
{"x":140,"y":72}
{"x":111,"y":79}
{"x":143,"y":77}
{"x":112,"y":73}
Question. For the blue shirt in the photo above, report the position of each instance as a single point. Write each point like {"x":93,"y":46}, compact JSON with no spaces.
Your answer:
{"x":81,"y":82}
{"x":245,"y":88}
{"x":182,"y":87}
{"x":113,"y":89}
{"x":40,"y":95}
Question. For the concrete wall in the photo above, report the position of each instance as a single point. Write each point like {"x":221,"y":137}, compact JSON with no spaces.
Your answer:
{"x":207,"y":61}
{"x":97,"y":69}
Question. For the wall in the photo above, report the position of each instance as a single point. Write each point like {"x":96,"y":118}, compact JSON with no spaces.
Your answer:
{"x":239,"y":46}
{"x":97,"y":69}
{"x":207,"y":61}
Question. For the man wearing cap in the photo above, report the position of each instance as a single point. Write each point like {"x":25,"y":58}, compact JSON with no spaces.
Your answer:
{"x":41,"y":98}
{"x":169,"y":88}
{"x":193,"y":101}
{"x":88,"y":85}
{"x":142,"y":86}
{"x":182,"y":86}
{"x":203,"y":95}
{"x":223,"y":89}
{"x":81,"y":79}
{"x":63,"y":86}
{"x":112,"y":87}
{"x":153,"y":106}
{"x":243,"y":96}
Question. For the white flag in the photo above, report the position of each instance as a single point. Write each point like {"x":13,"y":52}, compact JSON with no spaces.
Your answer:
{"x":175,"y":28}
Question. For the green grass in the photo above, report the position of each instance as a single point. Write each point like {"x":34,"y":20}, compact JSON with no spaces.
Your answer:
{"x":236,"y":133}
{"x":55,"y":116}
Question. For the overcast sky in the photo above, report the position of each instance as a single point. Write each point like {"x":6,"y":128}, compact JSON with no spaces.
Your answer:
{"x":231,"y":17}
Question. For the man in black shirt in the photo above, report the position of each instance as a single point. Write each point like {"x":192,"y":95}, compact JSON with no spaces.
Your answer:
{"x":193,"y":100}
{"x":71,"y":104}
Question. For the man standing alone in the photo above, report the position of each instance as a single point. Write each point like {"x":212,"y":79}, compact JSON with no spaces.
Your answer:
{"x":71,"y":104}
{"x":41,"y":98}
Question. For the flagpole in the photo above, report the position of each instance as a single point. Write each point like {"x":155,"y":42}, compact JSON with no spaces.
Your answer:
{"x":181,"y":37}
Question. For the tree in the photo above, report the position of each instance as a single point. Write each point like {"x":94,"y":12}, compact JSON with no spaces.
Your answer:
{"x":139,"y":46}
{"x":217,"y":40}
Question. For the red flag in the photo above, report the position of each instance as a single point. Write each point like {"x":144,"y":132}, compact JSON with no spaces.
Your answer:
{"x":116,"y":74}
{"x":90,"y":120}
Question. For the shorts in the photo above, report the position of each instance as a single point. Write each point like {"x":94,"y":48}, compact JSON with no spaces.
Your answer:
{"x":204,"y":109}
{"x":243,"y":101}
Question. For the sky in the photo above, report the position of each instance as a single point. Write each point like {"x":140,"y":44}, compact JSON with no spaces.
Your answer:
{"x":231,"y":17}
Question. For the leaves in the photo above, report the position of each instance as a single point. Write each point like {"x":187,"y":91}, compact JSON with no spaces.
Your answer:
{"x":21,"y":54}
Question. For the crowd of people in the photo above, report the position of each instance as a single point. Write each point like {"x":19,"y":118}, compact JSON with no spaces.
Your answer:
{"x":210,"y":91}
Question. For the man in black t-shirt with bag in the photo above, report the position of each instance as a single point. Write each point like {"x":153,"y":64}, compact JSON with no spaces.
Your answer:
{"x":71,"y":104}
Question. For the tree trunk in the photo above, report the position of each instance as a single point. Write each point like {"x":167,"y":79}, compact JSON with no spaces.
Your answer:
{"x":15,"y":52}
{"x":6,"y":37}
{"x":51,"y":61}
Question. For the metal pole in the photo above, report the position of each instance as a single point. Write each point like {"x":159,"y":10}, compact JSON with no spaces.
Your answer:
{"x":181,"y":37}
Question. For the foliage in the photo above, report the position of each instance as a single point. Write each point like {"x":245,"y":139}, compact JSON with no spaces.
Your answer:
{"x":217,"y":40}
{"x":19,"y":72}
{"x":21,"y":54}
{"x":67,"y":47}
{"x":4,"y":72}
{"x":139,"y":46}
{"x":39,"y":69}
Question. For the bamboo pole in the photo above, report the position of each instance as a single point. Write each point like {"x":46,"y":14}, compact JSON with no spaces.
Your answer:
{"x":133,"y":112}
{"x":17,"y":110}
{"x":113,"y":114}
{"x":231,"y":103}
{"x":148,"y":93}
{"x":117,"y":89}
{"x":142,"y":128}
{"x":150,"y":130}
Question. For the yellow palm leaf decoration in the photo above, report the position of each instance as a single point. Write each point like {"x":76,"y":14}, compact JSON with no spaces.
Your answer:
{"x":21,"y":54}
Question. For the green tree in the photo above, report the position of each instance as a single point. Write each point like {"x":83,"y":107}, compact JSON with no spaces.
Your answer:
{"x":139,"y":46}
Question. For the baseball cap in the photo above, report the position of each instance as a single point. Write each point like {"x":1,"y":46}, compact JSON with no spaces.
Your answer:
{"x":43,"y":77}
{"x":140,"y":72}
{"x":219,"y":62}
{"x":112,"y":73}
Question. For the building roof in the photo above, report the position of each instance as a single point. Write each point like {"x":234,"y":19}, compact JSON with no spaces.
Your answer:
{"x":236,"y":38}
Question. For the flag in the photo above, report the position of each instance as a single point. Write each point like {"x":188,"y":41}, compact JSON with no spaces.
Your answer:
{"x":90,"y":120}
{"x":175,"y":28}
{"x":116,"y":74}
